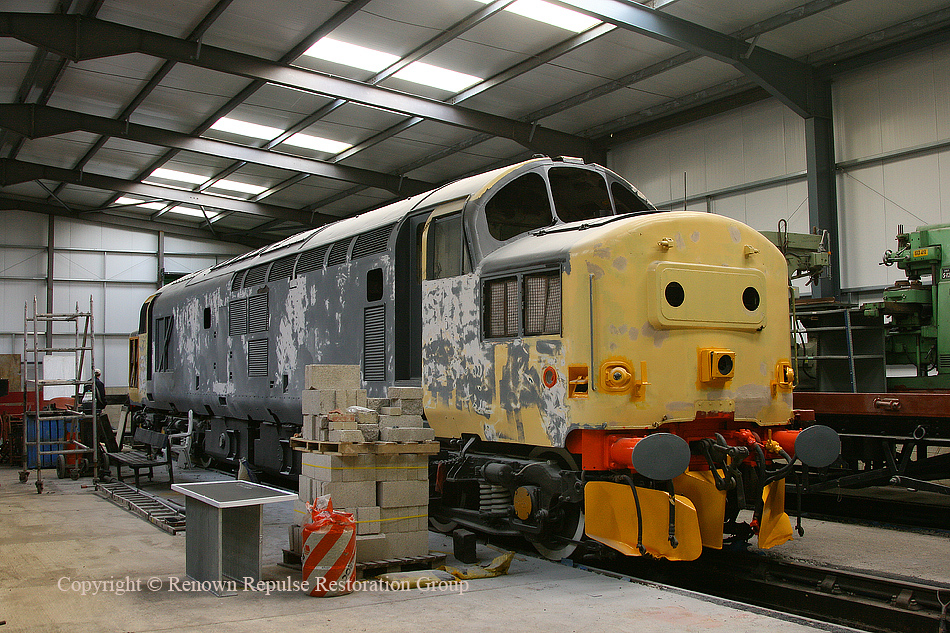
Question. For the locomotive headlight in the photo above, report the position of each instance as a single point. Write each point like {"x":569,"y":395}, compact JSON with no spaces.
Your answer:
{"x":616,"y":376}
{"x":716,"y":365}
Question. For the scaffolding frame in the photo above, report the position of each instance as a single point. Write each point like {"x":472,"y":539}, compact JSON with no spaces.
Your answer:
{"x":83,"y":350}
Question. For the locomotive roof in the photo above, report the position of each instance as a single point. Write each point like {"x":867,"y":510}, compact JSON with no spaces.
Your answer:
{"x":464,"y":188}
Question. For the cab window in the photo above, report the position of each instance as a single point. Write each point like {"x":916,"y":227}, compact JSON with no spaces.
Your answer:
{"x":446,"y":251}
{"x":520,"y":206}
{"x":579,"y":194}
{"x":626,"y":201}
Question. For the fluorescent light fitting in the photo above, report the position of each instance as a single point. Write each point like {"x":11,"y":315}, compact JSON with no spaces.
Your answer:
{"x":548,"y":13}
{"x":180,"y":176}
{"x":243,"y":128}
{"x":241,"y":187}
{"x":154,"y":206}
{"x":351,"y":55}
{"x":368,"y":59}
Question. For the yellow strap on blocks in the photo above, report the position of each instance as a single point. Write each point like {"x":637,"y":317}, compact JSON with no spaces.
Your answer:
{"x":611,"y":518}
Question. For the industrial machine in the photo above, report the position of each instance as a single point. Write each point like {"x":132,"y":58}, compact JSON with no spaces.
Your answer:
{"x":918,"y":332}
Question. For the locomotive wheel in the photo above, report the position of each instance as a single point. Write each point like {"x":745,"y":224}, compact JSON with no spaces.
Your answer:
{"x":554,"y":548}
{"x":572,"y":526}
{"x":443,"y":527}
{"x":204,"y":460}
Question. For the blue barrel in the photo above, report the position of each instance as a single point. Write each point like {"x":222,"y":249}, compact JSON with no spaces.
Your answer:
{"x":50,"y":429}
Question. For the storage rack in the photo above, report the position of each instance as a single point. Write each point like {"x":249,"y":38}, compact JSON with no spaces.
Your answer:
{"x":83,"y":349}
{"x":850,"y":347}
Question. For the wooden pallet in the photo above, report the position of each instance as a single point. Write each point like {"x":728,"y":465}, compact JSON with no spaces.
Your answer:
{"x":357,"y":448}
{"x":374,"y":568}
{"x":369,"y":569}
{"x":336,"y":448}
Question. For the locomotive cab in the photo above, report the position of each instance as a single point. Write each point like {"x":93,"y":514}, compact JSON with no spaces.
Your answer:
{"x":565,"y":322}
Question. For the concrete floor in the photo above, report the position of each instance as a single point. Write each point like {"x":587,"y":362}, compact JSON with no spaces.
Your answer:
{"x":52,"y":543}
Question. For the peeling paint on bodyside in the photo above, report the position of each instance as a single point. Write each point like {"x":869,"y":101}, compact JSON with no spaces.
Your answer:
{"x":457,"y":374}
{"x":489,"y":388}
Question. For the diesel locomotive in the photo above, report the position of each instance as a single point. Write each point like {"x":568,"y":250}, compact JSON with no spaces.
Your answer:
{"x":593,"y":368}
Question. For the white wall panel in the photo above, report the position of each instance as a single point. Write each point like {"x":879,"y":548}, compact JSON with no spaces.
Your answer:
{"x":131,"y":267}
{"x":174,"y":244}
{"x":857,"y":114}
{"x":121,"y":308}
{"x":117,"y":267}
{"x":23,"y":229}
{"x":763,"y":142}
{"x":908,"y":110}
{"x":22,"y":262}
{"x":861,"y":221}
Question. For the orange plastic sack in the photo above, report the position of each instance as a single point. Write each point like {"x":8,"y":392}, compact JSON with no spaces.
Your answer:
{"x":329,"y":551}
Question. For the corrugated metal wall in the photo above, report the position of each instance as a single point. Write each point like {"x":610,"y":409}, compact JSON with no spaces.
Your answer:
{"x":892,"y":137}
{"x":117,"y":267}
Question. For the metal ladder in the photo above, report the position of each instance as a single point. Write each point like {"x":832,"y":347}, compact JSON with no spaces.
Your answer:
{"x":165,"y":514}
{"x":68,"y":443}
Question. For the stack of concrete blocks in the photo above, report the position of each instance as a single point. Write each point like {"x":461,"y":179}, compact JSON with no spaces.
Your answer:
{"x":388,"y":493}
{"x":388,"y":496}
{"x":329,"y":388}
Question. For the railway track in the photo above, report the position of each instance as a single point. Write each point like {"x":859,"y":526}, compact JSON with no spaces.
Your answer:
{"x":858,"y":599}
{"x":890,"y":506}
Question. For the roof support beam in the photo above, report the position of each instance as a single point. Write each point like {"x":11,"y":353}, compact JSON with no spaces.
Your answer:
{"x":15,"y":172}
{"x":791,"y":81}
{"x":36,"y":206}
{"x":34,"y":121}
{"x":78,"y":38}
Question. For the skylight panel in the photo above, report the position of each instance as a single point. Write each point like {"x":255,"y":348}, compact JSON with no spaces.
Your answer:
{"x":243,"y":128}
{"x":191,"y":211}
{"x":548,"y":13}
{"x":240,"y":187}
{"x":267,"y":133}
{"x":317,"y":143}
{"x":429,"y":75}
{"x":152,"y":206}
{"x":351,"y":55}
{"x":179,"y":176}
{"x":368,"y":59}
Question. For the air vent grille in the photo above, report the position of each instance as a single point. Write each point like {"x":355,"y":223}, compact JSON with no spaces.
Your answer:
{"x":374,"y":343}
{"x":338,"y":252}
{"x":283,"y":268}
{"x":257,"y":316}
{"x":237,"y":280}
{"x":372,"y":242}
{"x":256,"y":275}
{"x":311,"y":260}
{"x":237,"y":318}
{"x":257,"y":358}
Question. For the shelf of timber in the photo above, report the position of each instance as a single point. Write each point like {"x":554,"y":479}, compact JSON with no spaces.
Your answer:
{"x":357,"y":448}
